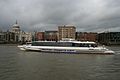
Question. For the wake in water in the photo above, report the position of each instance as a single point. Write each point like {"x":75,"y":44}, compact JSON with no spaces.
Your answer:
{"x":117,"y":52}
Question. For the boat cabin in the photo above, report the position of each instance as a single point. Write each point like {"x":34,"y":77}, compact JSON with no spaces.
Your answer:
{"x":65,"y":44}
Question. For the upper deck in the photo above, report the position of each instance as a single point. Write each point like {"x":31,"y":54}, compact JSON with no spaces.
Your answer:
{"x":64,"y":43}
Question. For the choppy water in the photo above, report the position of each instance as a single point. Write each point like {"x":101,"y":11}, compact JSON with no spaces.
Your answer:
{"x":20,"y":65}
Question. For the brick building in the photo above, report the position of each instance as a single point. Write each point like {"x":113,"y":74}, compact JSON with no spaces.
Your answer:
{"x":86,"y":36}
{"x":51,"y":35}
{"x":39,"y":36}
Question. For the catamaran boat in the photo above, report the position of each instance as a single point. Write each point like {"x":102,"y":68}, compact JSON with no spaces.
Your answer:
{"x":66,"y":47}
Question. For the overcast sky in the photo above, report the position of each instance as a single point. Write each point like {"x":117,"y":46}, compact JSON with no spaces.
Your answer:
{"x":41,"y":15}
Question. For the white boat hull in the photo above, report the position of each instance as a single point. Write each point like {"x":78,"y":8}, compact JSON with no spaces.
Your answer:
{"x":79,"y":50}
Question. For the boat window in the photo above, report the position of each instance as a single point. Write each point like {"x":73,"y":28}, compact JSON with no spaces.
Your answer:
{"x":64,"y":44}
{"x":28,"y":43}
{"x":83,"y":45}
{"x":93,"y":45}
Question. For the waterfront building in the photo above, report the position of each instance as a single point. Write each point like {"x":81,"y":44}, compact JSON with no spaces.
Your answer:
{"x":2,"y":37}
{"x":16,"y":30}
{"x":109,"y":38}
{"x":28,"y":36}
{"x":10,"y":37}
{"x":66,"y":32}
{"x":25,"y":36}
{"x":51,"y":35}
{"x":19,"y":35}
{"x":86,"y":36}
{"x":39,"y":36}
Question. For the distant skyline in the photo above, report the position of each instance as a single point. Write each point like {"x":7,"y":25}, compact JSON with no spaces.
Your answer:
{"x":41,"y":15}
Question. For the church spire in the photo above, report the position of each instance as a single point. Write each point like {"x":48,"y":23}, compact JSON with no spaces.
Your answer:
{"x":16,"y":22}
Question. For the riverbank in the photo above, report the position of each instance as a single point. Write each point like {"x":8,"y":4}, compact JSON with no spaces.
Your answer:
{"x":9,"y":44}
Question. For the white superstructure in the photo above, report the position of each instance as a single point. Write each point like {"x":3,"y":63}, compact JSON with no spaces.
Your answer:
{"x":66,"y":47}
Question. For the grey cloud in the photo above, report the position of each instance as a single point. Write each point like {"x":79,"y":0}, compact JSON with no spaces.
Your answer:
{"x":86,"y":15}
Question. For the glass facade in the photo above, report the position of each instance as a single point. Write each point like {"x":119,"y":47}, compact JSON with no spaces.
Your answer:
{"x":109,"y":38}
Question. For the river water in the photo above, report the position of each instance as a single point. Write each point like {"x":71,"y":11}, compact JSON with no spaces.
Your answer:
{"x":20,"y":65}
